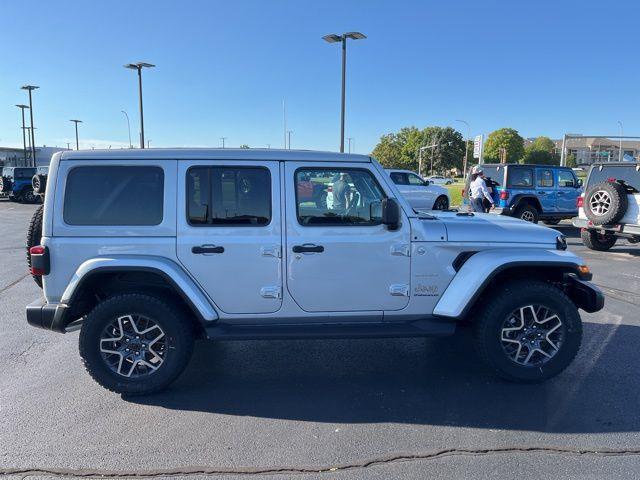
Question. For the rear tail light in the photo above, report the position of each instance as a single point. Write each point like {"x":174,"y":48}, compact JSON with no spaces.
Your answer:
{"x":504,"y":195}
{"x":39,"y":260}
{"x":580,"y":202}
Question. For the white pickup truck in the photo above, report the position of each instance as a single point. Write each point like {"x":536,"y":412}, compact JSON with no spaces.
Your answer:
{"x":144,"y":251}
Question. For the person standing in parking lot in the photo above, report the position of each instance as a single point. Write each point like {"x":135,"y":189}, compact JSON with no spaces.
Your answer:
{"x":479,"y":192}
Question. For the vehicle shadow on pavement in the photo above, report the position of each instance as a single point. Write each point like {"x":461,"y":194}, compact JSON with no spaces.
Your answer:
{"x":418,"y":381}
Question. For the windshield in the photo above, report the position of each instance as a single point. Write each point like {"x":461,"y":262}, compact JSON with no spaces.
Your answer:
{"x":23,"y":173}
{"x":629,"y":173}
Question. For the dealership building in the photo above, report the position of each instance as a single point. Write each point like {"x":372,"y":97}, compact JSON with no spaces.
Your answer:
{"x":588,"y":150}
{"x":15,"y":157}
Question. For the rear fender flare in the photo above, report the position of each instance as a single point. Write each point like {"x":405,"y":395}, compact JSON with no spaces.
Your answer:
{"x":185,"y":286}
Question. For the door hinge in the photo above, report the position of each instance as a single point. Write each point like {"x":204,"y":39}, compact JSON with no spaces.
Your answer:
{"x":399,"y":290}
{"x":271,"y":251}
{"x":271,"y":292}
{"x":400,"y":249}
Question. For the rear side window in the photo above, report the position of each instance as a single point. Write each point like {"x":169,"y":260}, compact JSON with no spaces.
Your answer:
{"x":114,"y":195}
{"x":228,"y":196}
{"x":399,"y":178}
{"x":545,"y":178}
{"x":520,"y":177}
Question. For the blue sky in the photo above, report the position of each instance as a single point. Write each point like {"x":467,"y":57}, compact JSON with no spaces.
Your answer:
{"x":223,"y":69}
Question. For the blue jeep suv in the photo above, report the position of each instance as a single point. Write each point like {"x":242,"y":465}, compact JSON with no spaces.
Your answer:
{"x":15,"y":183}
{"x":533,"y":192}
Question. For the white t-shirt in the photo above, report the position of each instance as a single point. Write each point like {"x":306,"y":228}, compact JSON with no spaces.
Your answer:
{"x":479,"y":189}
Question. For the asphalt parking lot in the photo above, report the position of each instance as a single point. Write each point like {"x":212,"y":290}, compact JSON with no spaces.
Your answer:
{"x":324,"y":409}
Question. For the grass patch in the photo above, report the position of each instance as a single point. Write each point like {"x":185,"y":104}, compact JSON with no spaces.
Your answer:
{"x":455,"y":192}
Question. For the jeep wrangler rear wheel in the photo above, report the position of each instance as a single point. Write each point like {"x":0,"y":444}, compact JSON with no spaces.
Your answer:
{"x":528,"y":213}
{"x":528,"y":331}
{"x":600,"y":242}
{"x":135,"y":344}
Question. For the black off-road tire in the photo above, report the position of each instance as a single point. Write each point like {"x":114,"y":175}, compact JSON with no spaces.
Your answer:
{"x":39,"y":183}
{"x":597,"y":241}
{"x":552,"y":221}
{"x":178,"y":330}
{"x":34,"y":235}
{"x":528,"y":213}
{"x":618,"y":203}
{"x":441,"y":203}
{"x":510,"y":297}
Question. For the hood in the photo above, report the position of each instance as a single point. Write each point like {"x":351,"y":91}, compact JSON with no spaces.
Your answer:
{"x":487,"y":227}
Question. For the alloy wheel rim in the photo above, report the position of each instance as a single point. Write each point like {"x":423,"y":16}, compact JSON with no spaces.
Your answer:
{"x":133,"y":346}
{"x":532,"y":335}
{"x":527,"y":216}
{"x":600,"y":203}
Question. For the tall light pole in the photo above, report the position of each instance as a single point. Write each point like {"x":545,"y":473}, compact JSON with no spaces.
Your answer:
{"x":31,"y":88}
{"x":621,"y":135}
{"x":24,"y":138}
{"x":289,"y":132}
{"x":350,"y":139}
{"x":128,"y":128}
{"x":139,"y":66}
{"x":334,"y":38}
{"x":466,"y":148}
{"x":222,"y":139}
{"x":77,"y":142}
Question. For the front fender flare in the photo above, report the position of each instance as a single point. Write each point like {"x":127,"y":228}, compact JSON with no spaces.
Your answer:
{"x":476,"y":273}
{"x":169,"y":270}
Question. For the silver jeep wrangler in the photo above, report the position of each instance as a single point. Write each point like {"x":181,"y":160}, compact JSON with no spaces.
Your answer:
{"x":145,"y":251}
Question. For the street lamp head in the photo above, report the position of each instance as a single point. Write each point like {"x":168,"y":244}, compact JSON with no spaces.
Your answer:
{"x":29,"y":87}
{"x":355,"y":35}
{"x":76,"y":121}
{"x":332,"y":38}
{"x":139,"y":65}
{"x":22,"y":106}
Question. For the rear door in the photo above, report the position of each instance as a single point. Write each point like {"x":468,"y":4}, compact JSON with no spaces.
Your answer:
{"x":546,"y":189}
{"x":343,"y":259}
{"x":229,"y":232}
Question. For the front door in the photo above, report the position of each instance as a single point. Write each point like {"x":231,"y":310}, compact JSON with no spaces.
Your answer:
{"x":546,"y":189}
{"x":229,"y":232}
{"x":339,"y":256}
{"x":568,"y":192}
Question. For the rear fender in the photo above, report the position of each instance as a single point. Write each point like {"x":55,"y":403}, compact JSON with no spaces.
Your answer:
{"x":185,"y":286}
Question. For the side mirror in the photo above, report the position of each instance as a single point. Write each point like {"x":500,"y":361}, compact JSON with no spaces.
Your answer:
{"x":426,"y":183}
{"x":391,"y":213}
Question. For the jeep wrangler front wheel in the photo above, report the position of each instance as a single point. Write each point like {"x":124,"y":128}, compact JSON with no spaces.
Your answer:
{"x":528,"y":331}
{"x":135,"y":344}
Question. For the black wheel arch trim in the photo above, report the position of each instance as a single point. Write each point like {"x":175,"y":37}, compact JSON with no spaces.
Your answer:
{"x":519,"y":198}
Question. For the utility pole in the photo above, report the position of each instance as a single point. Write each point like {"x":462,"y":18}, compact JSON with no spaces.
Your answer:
{"x":31,"y":88}
{"x":24,"y":139}
{"x":222,"y":139}
{"x":77,"y":142}
{"x":621,"y":135}
{"x":289,"y":132}
{"x":284,"y":123}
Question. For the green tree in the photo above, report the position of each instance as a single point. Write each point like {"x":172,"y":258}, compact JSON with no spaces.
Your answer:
{"x":506,"y":138}
{"x":541,"y":151}
{"x":572,"y":161}
{"x":401,"y":149}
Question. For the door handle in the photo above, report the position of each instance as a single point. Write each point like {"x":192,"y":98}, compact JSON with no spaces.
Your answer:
{"x":560,"y":193}
{"x":308,"y":248}
{"x":207,"y":249}
{"x":542,"y":193}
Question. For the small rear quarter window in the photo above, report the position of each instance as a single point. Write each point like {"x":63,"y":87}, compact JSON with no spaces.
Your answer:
{"x":114,"y":195}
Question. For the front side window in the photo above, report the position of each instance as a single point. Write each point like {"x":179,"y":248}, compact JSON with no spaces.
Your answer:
{"x":228,"y":196}
{"x":521,"y":177}
{"x":545,"y":178}
{"x":566,"y":179}
{"x":348,"y":197}
{"x":399,"y":178}
{"x":416,"y":180}
{"x":114,"y":196}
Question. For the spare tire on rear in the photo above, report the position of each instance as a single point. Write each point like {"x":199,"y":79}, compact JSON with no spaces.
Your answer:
{"x":34,"y":235}
{"x":39,"y":183}
{"x":606,"y":203}
{"x":5,"y":184}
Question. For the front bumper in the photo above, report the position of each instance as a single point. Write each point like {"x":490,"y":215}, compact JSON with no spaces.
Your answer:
{"x":50,"y":316}
{"x":585,"y":294}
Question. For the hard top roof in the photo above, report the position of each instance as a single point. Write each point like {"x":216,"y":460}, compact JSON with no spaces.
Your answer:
{"x":214,"y":154}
